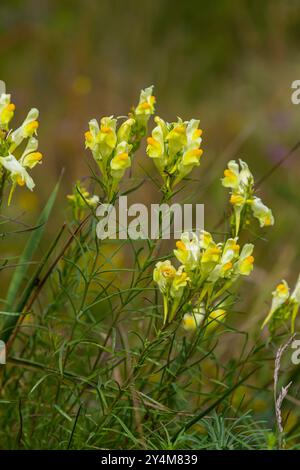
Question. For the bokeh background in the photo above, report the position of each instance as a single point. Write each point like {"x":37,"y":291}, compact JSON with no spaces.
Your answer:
{"x":231,"y":64}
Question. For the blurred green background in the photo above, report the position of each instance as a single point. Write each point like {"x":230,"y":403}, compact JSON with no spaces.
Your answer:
{"x":231,"y":64}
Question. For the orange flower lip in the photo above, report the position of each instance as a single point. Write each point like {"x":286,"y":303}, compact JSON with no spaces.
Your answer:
{"x":11,"y":107}
{"x":152,"y":141}
{"x":228,"y":265}
{"x":180,"y":245}
{"x":198,"y":133}
{"x":197,"y":152}
{"x":145,"y":105}
{"x":179,"y":129}
{"x":122,"y":156}
{"x":32,"y":126}
{"x":106,"y":129}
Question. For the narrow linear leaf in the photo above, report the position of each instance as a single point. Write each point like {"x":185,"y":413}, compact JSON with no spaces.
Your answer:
{"x":210,"y":408}
{"x":28,"y":252}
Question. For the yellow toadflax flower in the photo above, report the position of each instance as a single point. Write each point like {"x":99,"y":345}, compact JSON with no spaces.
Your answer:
{"x":224,"y":269}
{"x":145,"y":107}
{"x":120,"y":161}
{"x":17,"y":167}
{"x":179,"y":282}
{"x":26,"y":130}
{"x":82,"y":200}
{"x":175,"y":149}
{"x":280,"y":296}
{"x":188,"y":250}
{"x":284,"y":305}
{"x":244,"y":265}
{"x":239,"y":179}
{"x":163,"y":275}
{"x":171,"y":283}
{"x":261,"y":212}
{"x":7,"y":110}
{"x":113,"y":145}
{"x":192,"y":321}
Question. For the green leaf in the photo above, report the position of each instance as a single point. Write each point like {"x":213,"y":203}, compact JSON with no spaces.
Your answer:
{"x":21,"y":270}
{"x":210,"y":408}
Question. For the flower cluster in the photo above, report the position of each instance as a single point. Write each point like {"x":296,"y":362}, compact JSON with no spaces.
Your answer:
{"x":171,"y":283}
{"x":284,"y":305}
{"x":210,"y":262}
{"x":207,"y":269}
{"x":81,"y":200}
{"x":112,"y":146}
{"x":175,"y":149}
{"x":239,"y":179}
{"x":16,"y":158}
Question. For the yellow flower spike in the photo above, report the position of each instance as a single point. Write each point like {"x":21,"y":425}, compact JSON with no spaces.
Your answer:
{"x":176,"y":149}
